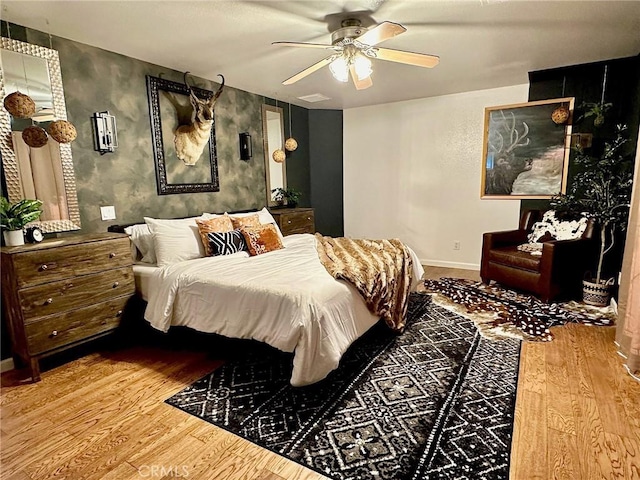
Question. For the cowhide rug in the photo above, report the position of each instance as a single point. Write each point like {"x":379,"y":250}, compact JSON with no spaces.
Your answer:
{"x":498,"y":312}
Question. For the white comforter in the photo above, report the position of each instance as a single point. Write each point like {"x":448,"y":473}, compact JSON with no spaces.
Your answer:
{"x":284,"y":298}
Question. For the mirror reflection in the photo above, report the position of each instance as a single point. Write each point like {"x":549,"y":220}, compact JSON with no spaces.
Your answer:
{"x":273,"y":133}
{"x":29,"y":75}
{"x":45,"y":173}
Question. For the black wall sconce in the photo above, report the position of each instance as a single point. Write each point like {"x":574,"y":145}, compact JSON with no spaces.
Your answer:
{"x":246,"y":150}
{"x":105,"y":136}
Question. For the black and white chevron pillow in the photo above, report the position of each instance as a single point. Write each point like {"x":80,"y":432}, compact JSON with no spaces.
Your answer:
{"x":226,"y":243}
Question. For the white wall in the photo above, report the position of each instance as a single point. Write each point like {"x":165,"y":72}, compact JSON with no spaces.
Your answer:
{"x":412,"y":171}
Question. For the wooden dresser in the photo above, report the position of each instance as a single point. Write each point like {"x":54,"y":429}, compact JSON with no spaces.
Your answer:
{"x":63,"y":292}
{"x":294,"y":220}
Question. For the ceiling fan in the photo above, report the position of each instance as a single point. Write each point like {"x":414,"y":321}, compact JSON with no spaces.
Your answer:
{"x":353,"y":45}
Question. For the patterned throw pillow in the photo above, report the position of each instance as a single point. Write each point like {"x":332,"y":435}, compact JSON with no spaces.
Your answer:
{"x":210,"y":225}
{"x":262,"y":239}
{"x":550,"y":228}
{"x":226,"y":243}
{"x":245,"y":221}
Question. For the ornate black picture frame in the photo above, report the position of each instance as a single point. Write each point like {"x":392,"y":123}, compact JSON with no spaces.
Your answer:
{"x":172,"y":175}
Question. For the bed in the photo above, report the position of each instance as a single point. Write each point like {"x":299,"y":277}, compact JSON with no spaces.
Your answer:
{"x":285,"y":298}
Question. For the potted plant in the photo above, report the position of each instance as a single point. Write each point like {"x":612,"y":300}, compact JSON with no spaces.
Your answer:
{"x":601,"y":190}
{"x":596,"y":110}
{"x":15,"y":216}
{"x":286,"y":195}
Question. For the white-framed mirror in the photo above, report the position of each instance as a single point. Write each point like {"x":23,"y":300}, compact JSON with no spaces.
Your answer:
{"x":273,"y":135}
{"x":44,"y":173}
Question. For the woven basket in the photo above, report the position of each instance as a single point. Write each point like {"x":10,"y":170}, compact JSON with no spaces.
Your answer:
{"x":598,"y":294}
{"x":19,"y":105}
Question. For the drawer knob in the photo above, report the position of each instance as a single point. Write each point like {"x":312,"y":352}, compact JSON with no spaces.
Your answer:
{"x":116,"y":284}
{"x":288,"y":221}
{"x":54,"y":333}
{"x":112,"y":255}
{"x":43,"y":267}
{"x":308,"y":218}
{"x":48,"y":301}
{"x":118,"y":313}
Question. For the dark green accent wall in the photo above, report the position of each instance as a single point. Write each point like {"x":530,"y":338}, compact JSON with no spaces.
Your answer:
{"x":585,"y":83}
{"x":326,"y":173}
{"x":298,"y":161}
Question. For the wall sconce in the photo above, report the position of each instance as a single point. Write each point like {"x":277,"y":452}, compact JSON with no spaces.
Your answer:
{"x":105,"y":136}
{"x":246,"y":150}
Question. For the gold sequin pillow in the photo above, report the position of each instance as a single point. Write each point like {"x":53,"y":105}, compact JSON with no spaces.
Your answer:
{"x":262,"y":239}
{"x":219,"y":224}
{"x":245,"y":221}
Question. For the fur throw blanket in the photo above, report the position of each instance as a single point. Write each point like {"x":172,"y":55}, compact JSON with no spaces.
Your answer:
{"x":381,"y":271}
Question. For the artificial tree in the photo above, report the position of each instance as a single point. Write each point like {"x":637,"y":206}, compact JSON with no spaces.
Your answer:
{"x":601,"y":190}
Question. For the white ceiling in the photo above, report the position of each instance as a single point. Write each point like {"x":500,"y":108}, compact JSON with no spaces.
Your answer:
{"x":481,"y":44}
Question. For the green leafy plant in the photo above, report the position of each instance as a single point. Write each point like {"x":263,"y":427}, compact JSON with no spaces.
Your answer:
{"x":16,"y":216}
{"x":602,"y":191}
{"x":289,"y":194}
{"x":597,"y":110}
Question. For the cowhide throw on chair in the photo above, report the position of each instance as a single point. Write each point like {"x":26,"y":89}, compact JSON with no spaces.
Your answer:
{"x":498,"y":312}
{"x":381,"y":271}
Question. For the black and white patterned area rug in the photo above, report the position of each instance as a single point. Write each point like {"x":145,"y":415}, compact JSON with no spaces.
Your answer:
{"x":434,"y":402}
{"x":499,"y":312}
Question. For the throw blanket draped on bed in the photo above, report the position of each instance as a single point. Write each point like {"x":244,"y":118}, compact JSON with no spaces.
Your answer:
{"x":381,"y":271}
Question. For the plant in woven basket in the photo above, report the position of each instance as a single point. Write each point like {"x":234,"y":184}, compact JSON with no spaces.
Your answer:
{"x":596,"y":110}
{"x":601,"y":190}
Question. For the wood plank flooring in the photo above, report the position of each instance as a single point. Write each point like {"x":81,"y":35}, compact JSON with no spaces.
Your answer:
{"x":103,"y":416}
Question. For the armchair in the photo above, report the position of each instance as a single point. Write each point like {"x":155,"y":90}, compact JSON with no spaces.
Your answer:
{"x":557,"y":272}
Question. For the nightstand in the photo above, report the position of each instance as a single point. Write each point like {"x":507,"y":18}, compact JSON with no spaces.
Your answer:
{"x":63,"y":292}
{"x":294,"y":220}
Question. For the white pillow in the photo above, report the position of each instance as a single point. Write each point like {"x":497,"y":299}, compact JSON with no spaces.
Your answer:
{"x":142,"y":240}
{"x":175,"y":240}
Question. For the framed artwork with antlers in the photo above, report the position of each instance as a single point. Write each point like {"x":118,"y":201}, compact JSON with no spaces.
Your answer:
{"x":526,"y":153}
{"x":183,"y":136}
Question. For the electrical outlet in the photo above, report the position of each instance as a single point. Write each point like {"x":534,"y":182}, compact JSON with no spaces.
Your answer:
{"x":108,"y":212}
{"x":456,"y":245}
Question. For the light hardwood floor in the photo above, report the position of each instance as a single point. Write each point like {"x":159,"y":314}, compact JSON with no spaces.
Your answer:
{"x":103,"y":416}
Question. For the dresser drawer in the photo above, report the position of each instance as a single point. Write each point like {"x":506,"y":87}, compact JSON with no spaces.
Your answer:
{"x":58,"y":330}
{"x":297,"y":222}
{"x":49,"y":265}
{"x":77,"y":292}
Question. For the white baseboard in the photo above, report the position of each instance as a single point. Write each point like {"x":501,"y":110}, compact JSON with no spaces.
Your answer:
{"x":6,"y":365}
{"x":439,"y":263}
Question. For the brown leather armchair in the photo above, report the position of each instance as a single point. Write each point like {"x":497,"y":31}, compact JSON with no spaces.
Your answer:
{"x":558,"y":272}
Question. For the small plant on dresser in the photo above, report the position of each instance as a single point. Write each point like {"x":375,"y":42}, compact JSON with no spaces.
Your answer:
{"x":14,"y":217}
{"x":288,"y":195}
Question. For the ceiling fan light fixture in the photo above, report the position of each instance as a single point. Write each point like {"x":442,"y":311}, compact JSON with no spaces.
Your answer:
{"x":340,"y":69}
{"x":363,"y":66}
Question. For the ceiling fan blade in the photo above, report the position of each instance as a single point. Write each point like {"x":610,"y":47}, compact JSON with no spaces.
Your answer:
{"x":381,"y":32}
{"x":300,"y":44}
{"x":308,"y":70}
{"x":360,"y":84}
{"x":410,"y":58}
